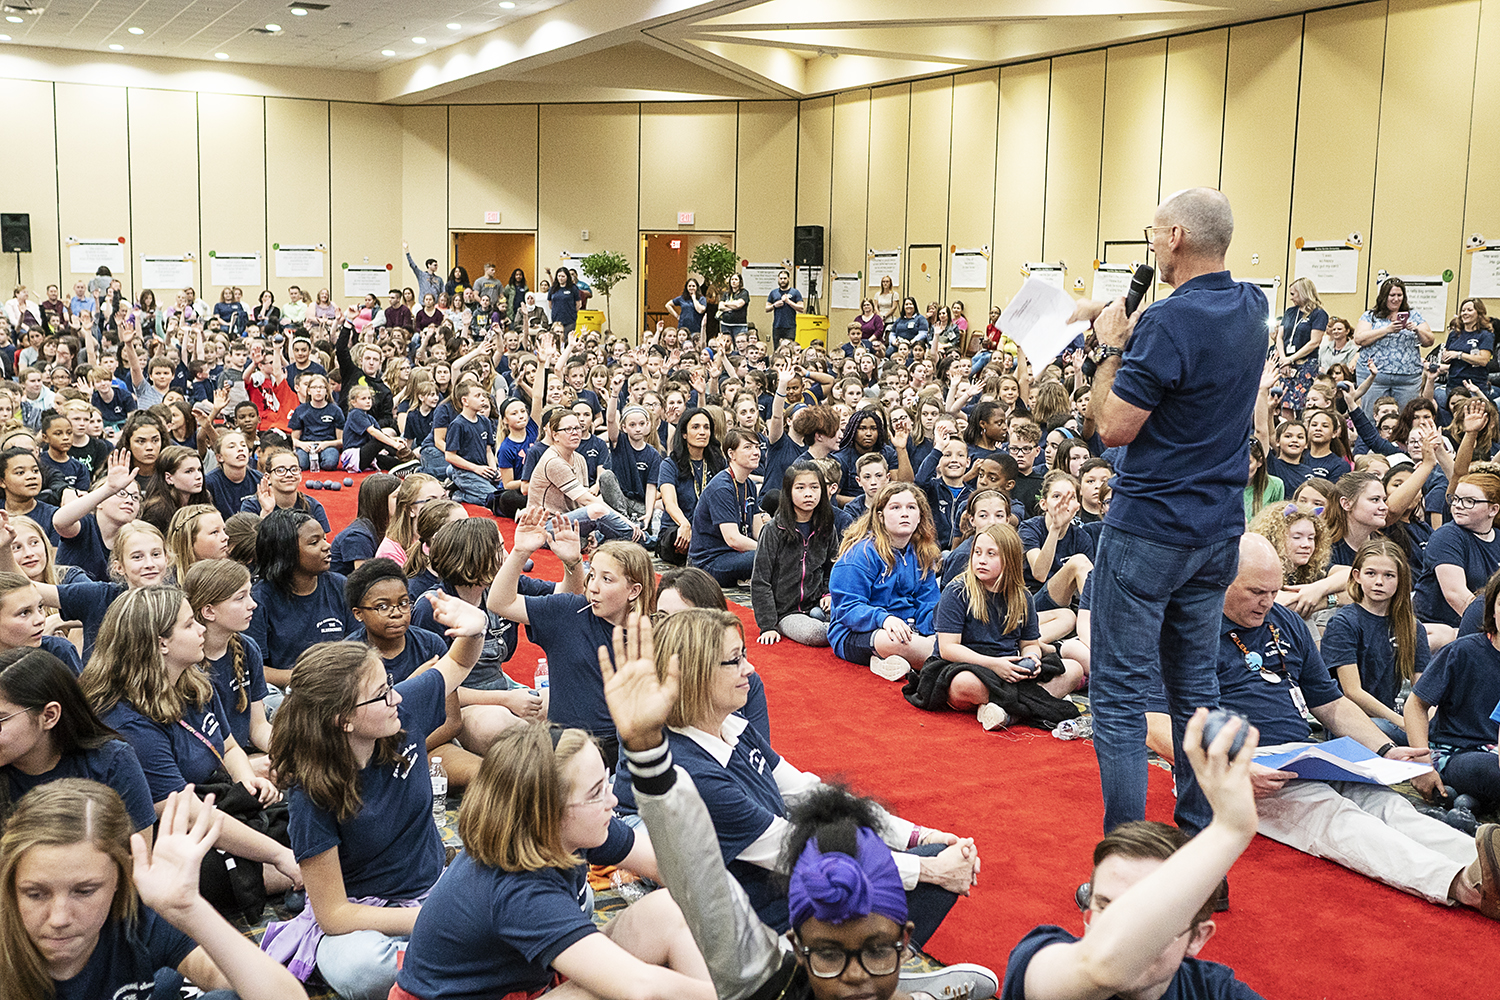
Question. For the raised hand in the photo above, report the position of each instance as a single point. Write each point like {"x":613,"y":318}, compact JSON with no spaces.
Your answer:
{"x":458,"y":616}
{"x":120,"y":474}
{"x":639,"y":700}
{"x":531,"y":532}
{"x":166,"y":874}
{"x":566,"y":544}
{"x":1226,"y":783}
{"x":1475,"y":417}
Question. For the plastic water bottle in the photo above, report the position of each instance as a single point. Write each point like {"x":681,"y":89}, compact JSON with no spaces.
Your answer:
{"x":439,"y":790}
{"x":540,"y":680}
{"x":629,"y":888}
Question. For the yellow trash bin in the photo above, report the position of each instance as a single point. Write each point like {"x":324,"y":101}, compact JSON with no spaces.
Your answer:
{"x":590,"y":320}
{"x":809,"y":328}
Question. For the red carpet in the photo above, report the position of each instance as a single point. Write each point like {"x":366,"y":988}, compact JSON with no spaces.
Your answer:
{"x":1298,"y":927}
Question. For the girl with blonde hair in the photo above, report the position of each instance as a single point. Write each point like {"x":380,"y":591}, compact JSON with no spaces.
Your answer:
{"x":415,"y":492}
{"x":70,"y":863}
{"x":1301,"y":537}
{"x":218,"y":591}
{"x":1299,"y":337}
{"x":196,"y":533}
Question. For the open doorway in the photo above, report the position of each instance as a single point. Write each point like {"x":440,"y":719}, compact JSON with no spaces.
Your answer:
{"x":507,"y":251}
{"x":664,"y":270}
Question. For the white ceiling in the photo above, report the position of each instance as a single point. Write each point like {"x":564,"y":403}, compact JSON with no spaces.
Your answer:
{"x":599,"y":50}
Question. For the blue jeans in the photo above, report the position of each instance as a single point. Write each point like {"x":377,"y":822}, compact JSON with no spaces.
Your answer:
{"x":1404,"y":388}
{"x":471,"y":487}
{"x":728,"y":569}
{"x":613,"y":525}
{"x":1155,"y":620}
{"x":328,"y":459}
{"x":434,"y":464}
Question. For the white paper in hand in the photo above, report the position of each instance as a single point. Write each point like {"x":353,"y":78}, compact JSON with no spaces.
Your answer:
{"x":1037,"y":319}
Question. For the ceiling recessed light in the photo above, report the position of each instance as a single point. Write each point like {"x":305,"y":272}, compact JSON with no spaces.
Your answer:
{"x":13,"y":19}
{"x":117,"y":48}
{"x":298,"y":12}
{"x":507,"y":5}
{"x":387,"y":52}
{"x":221,"y":55}
{"x":273,"y":27}
{"x":420,"y":40}
{"x":4,"y":38}
{"x":454,"y":26}
{"x":137,"y":31}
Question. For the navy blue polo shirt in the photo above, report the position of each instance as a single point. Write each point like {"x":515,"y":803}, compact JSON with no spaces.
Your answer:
{"x":1365,"y":639}
{"x":1194,"y":361}
{"x":1463,"y":682}
{"x":724,"y":501}
{"x":1455,"y":546}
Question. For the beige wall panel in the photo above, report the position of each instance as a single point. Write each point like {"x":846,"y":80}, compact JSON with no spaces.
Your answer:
{"x":297,"y":195}
{"x":814,"y":161}
{"x":492,"y":165}
{"x":674,"y":181}
{"x":1425,"y":103}
{"x":766,"y":191}
{"x":609,"y":211}
{"x":163,"y":177}
{"x":93,"y":190}
{"x":846,"y":242}
{"x":1259,"y":119}
{"x":890,"y":118}
{"x":971,"y":205}
{"x":1074,"y":136}
{"x":233,"y":187}
{"x":365,"y":189}
{"x":1482,"y":204}
{"x":1337,"y":128}
{"x":31,"y":186}
{"x":928,"y":161}
{"x":1134,"y":85}
{"x":1020,"y":174}
{"x":1193,"y":117}
{"x":424,"y":177}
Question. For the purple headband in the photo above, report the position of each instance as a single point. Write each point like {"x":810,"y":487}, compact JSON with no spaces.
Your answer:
{"x":836,"y":888}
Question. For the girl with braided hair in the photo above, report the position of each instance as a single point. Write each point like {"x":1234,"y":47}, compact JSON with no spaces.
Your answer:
{"x":218,"y":590}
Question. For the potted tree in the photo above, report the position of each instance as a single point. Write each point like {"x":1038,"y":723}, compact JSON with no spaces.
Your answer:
{"x":605,"y":270}
{"x":715,"y":262}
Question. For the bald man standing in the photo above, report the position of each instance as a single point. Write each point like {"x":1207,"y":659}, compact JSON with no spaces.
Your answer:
{"x":1176,"y":387}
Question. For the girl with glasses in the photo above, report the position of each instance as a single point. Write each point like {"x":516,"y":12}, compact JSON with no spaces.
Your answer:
{"x":559,"y":484}
{"x":350,"y":750}
{"x":281,"y":475}
{"x":1462,"y":554}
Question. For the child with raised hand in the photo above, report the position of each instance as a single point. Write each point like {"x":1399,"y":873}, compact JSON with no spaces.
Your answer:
{"x":1376,"y":643}
{"x":1059,"y":552}
{"x":987,"y":628}
{"x":89,"y":523}
{"x":1149,"y":882}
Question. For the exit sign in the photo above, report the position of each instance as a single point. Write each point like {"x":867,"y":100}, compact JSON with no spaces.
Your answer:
{"x":676,"y":244}
{"x":492,"y":218}
{"x":684,"y":218}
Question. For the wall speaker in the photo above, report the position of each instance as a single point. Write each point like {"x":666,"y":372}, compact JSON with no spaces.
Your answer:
{"x":15,"y":232}
{"x":807,"y":246}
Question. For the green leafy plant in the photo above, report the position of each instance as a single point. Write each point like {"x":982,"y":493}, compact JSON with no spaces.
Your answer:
{"x":605,"y":270}
{"x":716,"y":262}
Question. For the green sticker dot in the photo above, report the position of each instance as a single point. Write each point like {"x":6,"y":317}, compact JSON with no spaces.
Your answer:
{"x":345,"y":265}
{"x":1448,"y":275}
{"x":213,"y":253}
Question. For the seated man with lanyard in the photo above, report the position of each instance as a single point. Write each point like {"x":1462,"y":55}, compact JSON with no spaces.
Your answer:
{"x":1268,"y":664}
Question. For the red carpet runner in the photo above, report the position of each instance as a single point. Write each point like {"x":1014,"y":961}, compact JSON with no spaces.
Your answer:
{"x":1298,"y":927}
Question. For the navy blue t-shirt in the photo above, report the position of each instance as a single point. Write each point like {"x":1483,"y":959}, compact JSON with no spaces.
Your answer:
{"x":357,"y":428}
{"x":114,"y":764}
{"x":1453,"y":545}
{"x":500,"y":638}
{"x":687,"y":485}
{"x":564,"y":305}
{"x":688,"y":316}
{"x":1468,"y":342}
{"x":486,"y":932}
{"x":172,"y":755}
{"x":1194,"y":362}
{"x":471,"y":439}
{"x":1472,"y":622}
{"x":596,"y":455}
{"x":1361,"y":637}
{"x":418,"y":425}
{"x":228,"y":688}
{"x":849,"y":482}
{"x":776,"y":457}
{"x":783,"y":318}
{"x":284,"y":624}
{"x":635,"y":470}
{"x":64,"y":651}
{"x":355,"y":543}
{"x":115,"y":409}
{"x":41,"y":513}
{"x":421,"y":646}
{"x":87,"y":602}
{"x":391,"y":848}
{"x":70,"y":471}
{"x":317,"y":423}
{"x":229,"y":495}
{"x":985,"y":638}
{"x":724,"y":501}
{"x":1076,"y":541}
{"x":86,"y":550}
{"x":1195,"y":978}
{"x":1463,"y":682}
{"x":570,"y":634}
{"x":124,"y":963}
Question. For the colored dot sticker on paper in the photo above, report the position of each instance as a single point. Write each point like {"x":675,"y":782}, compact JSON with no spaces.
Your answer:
{"x":275,"y":246}
{"x":213,"y":253}
{"x":345,"y":265}
{"x":1448,"y":275}
{"x":1298,"y":242}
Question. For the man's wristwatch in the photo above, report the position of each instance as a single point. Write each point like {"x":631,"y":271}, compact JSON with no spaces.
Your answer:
{"x":1110,"y":351}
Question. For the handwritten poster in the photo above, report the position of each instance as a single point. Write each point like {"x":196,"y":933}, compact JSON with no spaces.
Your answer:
{"x":884,"y":264}
{"x":846,"y":291}
{"x":1332,"y":266}
{"x":971,"y":269}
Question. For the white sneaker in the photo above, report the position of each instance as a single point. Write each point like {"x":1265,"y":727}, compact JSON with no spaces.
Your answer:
{"x":954,"y":982}
{"x":991,"y":716}
{"x":891,"y":668}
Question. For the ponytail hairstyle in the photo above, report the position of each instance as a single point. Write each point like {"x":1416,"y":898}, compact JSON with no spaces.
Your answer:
{"x":435,"y":514}
{"x":832,"y":816}
{"x":59,"y":814}
{"x":1400,"y":616}
{"x":1012,"y":589}
{"x":242,"y":529}
{"x":309,"y":746}
{"x":212,"y":581}
{"x":182,"y":534}
{"x":966,"y":519}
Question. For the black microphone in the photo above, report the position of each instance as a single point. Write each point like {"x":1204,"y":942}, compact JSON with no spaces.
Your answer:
{"x":1140,"y":284}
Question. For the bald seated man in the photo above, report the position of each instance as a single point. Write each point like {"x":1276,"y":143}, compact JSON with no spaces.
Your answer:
{"x":1267,"y":661}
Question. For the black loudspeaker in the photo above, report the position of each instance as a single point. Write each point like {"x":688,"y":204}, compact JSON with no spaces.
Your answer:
{"x":15,"y":232}
{"x":807,"y":246}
